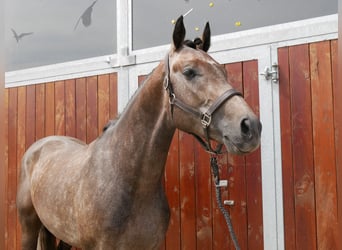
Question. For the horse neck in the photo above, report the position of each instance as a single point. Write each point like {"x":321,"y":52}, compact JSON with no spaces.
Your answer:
{"x":144,"y":131}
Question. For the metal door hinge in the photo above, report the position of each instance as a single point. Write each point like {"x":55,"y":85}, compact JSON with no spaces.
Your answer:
{"x":271,"y":74}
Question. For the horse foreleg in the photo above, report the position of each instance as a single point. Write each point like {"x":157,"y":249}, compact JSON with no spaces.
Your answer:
{"x":47,"y":240}
{"x":30,"y":226}
{"x":29,"y":220}
{"x":63,"y":246}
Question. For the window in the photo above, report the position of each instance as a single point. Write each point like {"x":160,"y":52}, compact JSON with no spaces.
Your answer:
{"x":47,"y":32}
{"x":152,"y":19}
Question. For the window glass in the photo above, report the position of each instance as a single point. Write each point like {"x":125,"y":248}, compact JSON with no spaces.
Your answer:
{"x":152,"y":19}
{"x":43,"y":32}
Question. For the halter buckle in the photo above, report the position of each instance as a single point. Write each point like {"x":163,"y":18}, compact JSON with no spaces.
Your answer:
{"x":206,"y":120}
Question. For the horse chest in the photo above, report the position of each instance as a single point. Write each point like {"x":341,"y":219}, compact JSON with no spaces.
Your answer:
{"x":148,"y":229}
{"x":143,"y":226}
{"x":141,"y":209}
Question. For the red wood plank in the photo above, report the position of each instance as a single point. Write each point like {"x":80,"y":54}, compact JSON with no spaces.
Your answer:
{"x":81,"y":109}
{"x":286,"y":148}
{"x":30,"y":127}
{"x":187,"y":191}
{"x":21,"y":129}
{"x":253,"y":163}
{"x":22,"y":140}
{"x":337,"y":104}
{"x":113,"y":96}
{"x":337,"y":88}
{"x":302,"y":147}
{"x":4,"y":171}
{"x":49,"y":109}
{"x":323,"y":138}
{"x":59,"y":108}
{"x":337,"y":58}
{"x":92,"y":115}
{"x":40,"y":111}
{"x":237,"y":172}
{"x":172,"y":190}
{"x":103,"y":101}
{"x":204,"y":230}
{"x":70,"y":108}
{"x":11,"y":233}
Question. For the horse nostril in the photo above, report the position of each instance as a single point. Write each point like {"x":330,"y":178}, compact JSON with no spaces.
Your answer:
{"x":250,"y":127}
{"x":246,"y":127}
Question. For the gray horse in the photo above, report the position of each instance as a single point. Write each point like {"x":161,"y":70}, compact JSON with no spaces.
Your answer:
{"x":109,"y":194}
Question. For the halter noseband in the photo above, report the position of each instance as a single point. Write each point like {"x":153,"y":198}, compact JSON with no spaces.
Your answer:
{"x":205,"y":117}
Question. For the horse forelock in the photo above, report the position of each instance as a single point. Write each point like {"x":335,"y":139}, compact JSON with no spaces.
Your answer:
{"x":195,"y":44}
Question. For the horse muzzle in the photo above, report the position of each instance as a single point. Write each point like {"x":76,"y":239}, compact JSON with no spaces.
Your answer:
{"x":248,"y":139}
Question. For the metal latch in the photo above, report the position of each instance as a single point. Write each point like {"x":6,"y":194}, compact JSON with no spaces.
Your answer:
{"x":229,"y":202}
{"x":222,"y":183}
{"x":271,"y":74}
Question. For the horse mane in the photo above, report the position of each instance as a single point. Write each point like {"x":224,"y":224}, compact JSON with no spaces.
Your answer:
{"x":112,"y":122}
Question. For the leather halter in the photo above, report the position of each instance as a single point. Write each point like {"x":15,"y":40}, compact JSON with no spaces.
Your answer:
{"x":206,"y":117}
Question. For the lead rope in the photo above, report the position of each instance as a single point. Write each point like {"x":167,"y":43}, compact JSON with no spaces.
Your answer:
{"x":215,"y":171}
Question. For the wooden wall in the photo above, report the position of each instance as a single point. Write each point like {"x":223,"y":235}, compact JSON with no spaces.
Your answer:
{"x":309,"y":156}
{"x":310,"y":152}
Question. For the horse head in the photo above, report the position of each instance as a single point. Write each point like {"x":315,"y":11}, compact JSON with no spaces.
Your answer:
{"x":203,"y":102}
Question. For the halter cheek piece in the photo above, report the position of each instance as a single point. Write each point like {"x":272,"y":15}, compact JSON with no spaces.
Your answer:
{"x":205,"y":118}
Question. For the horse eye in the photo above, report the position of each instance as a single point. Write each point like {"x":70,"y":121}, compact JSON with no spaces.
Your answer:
{"x":189,"y":73}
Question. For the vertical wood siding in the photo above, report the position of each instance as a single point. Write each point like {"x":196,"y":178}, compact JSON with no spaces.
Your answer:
{"x":309,"y":158}
{"x":81,"y":107}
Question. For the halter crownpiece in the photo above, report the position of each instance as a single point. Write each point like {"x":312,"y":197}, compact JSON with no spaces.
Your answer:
{"x":206,"y":117}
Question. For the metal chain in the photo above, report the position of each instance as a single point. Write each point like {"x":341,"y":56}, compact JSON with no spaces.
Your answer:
{"x":215,"y":170}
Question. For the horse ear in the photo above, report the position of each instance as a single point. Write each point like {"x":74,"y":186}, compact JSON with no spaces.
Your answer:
{"x":206,"y":38}
{"x":178,"y":33}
